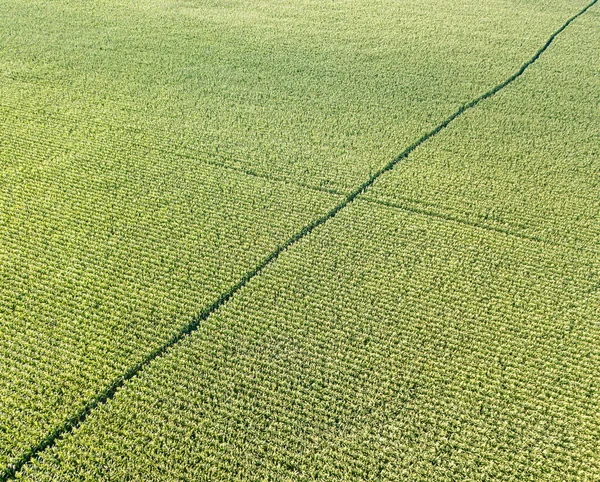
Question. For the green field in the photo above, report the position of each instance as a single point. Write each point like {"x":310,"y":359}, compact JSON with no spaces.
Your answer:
{"x":274,"y":240}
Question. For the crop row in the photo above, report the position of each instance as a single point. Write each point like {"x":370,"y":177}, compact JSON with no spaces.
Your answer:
{"x":384,"y":346}
{"x":106,"y":253}
{"x":528,"y":159}
{"x":302,"y":91}
{"x":110,"y":245}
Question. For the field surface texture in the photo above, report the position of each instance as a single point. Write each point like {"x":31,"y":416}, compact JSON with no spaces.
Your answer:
{"x":311,"y":240}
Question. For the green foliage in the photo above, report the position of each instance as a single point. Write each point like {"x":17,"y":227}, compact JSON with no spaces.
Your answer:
{"x":154,"y":153}
{"x":528,"y":160}
{"x":385,"y":346}
{"x":318,"y":92}
{"x":107,"y":250}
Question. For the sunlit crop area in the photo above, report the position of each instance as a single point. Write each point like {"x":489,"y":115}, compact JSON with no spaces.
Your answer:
{"x":311,"y":240}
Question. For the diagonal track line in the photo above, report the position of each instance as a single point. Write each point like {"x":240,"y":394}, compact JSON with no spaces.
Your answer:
{"x":400,"y":206}
{"x":109,"y":392}
{"x":195,"y":154}
{"x":207,"y":159}
{"x":480,"y":225}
